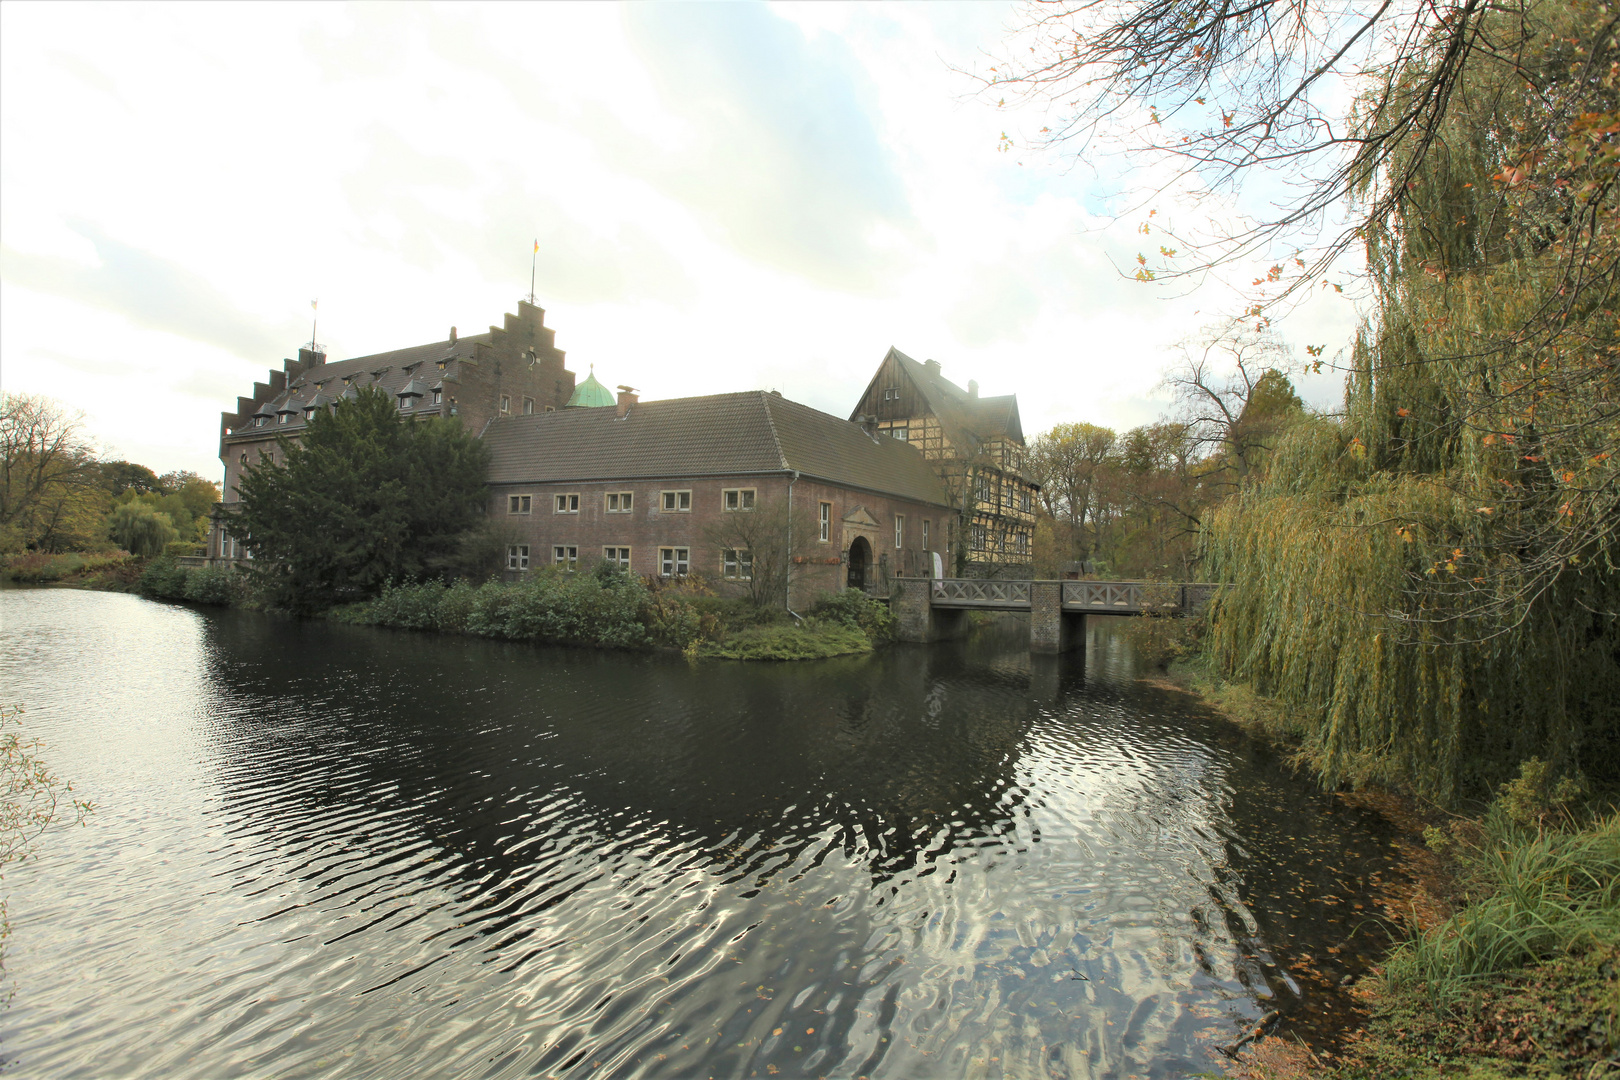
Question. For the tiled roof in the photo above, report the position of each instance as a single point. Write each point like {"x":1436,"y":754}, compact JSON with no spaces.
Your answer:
{"x":718,"y":435}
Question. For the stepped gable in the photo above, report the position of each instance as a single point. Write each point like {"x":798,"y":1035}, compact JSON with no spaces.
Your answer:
{"x":737,"y":434}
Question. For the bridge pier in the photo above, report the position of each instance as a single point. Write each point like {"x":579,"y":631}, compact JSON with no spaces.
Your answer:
{"x":1051,"y":629}
{"x":917,"y":619}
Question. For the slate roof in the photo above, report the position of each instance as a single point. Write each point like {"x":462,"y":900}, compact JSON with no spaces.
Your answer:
{"x":717,"y":435}
{"x":958,"y":411}
{"x":399,"y":370}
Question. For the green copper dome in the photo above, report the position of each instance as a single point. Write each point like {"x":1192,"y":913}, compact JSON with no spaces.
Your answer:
{"x":591,"y":394}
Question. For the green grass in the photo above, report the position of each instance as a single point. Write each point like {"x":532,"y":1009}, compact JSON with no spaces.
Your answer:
{"x":814,"y":641}
{"x":1538,"y":894}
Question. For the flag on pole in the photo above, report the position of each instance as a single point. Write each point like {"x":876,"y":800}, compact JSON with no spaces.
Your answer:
{"x":314,"y":305}
{"x":537,"y":247}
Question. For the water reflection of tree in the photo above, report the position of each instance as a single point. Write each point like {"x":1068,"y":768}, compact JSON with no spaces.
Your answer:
{"x":895,"y":760}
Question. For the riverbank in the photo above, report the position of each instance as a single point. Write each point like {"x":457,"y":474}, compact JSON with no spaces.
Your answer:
{"x":1505,"y":935}
{"x":601,"y":608}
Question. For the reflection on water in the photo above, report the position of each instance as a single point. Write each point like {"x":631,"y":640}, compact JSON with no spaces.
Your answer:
{"x":337,"y":851}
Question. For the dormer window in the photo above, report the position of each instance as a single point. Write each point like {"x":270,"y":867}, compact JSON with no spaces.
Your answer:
{"x":442,"y":363}
{"x":438,"y":397}
{"x":405,"y":402}
{"x":282,"y":418}
{"x":260,"y":421}
{"x":506,"y":404}
{"x":309,"y":414}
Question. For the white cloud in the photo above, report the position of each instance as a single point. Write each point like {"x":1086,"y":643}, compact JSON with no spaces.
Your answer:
{"x":726,"y":197}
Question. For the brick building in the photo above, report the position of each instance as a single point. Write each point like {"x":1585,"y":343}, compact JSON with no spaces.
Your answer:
{"x":646,"y":485}
{"x":513,"y":370}
{"x":976,"y":446}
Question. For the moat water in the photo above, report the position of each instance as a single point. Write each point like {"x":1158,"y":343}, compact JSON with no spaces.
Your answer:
{"x":330,"y":851}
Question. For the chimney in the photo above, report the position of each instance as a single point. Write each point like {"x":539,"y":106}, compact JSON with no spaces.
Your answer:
{"x":627,"y":398}
{"x":933,"y":367}
{"x":973,"y":389}
{"x":868,"y":424}
{"x":452,"y":335}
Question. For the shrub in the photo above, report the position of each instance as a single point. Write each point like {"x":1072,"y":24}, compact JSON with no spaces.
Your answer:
{"x":1157,"y":641}
{"x":853,"y":608}
{"x":37,"y":566}
{"x":139,"y":529}
{"x":163,"y":579}
{"x":215,"y":585}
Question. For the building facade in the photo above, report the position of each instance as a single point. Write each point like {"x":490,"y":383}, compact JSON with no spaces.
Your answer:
{"x":665,"y":488}
{"x":513,"y":370}
{"x":976,"y":447}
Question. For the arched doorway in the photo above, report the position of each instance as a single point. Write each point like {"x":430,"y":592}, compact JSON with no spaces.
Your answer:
{"x":860,"y":558}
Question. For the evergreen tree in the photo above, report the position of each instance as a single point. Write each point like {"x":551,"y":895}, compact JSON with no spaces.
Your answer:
{"x":362,"y":499}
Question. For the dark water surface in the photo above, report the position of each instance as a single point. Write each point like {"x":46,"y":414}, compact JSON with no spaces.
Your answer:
{"x":337,"y":851}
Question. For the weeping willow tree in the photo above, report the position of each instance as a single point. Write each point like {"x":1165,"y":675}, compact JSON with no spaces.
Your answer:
{"x":1432,"y":580}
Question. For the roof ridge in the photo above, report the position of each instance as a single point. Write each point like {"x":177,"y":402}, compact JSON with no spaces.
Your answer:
{"x":770,"y":422}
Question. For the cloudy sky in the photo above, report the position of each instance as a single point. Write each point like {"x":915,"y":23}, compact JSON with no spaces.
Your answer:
{"x":727,"y":196}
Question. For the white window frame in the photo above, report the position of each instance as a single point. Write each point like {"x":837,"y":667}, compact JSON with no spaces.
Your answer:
{"x":405,"y":402}
{"x":899,"y":532}
{"x":517,"y":556}
{"x":675,"y":501}
{"x":980,"y":537}
{"x":925,"y":546}
{"x":565,"y":556}
{"x":438,"y":397}
{"x":528,"y":406}
{"x":743,"y":498}
{"x":903,"y":434}
{"x":520,"y":504}
{"x":674,"y":561}
{"x":737,"y":564}
{"x":619,"y":502}
{"x":566,"y":503}
{"x":891,"y":393}
{"x":826,"y":522}
{"x":618,"y":555}
{"x":506,"y":404}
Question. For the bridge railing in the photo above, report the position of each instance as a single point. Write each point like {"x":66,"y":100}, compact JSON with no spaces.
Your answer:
{"x":981,"y":592}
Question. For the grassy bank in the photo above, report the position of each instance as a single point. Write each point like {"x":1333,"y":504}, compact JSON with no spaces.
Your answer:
{"x":1506,"y":954}
{"x":603,"y":608}
{"x":611,"y":609}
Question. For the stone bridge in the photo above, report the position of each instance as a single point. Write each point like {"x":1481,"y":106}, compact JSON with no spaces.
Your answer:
{"x":936,"y":610}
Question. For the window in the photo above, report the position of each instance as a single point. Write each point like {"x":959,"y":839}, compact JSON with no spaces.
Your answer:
{"x":826,"y":522}
{"x":737,"y":565}
{"x":899,"y":531}
{"x":528,"y":406}
{"x":981,"y":488}
{"x":978,"y":537}
{"x":1023,"y":501}
{"x":925,"y":535}
{"x":441,"y":364}
{"x":900,"y":433}
{"x":550,"y":408}
{"x":1021,"y":542}
{"x":517,"y":557}
{"x":309,"y":414}
{"x":260,"y":421}
{"x":674,"y":561}
{"x":506,"y":404}
{"x":737,"y":498}
{"x":567,"y":504}
{"x":282,"y":418}
{"x":244,"y":461}
{"x":438,"y":397}
{"x":891,"y":394}
{"x":565,"y":556}
{"x":519,"y":504}
{"x":1006,"y":495}
{"x":676,"y":502}
{"x":618,"y":556}
{"x":406,"y":401}
{"x":620,"y":502}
